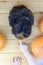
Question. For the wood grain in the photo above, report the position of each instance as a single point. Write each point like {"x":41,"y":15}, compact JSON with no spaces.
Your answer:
{"x":22,"y":0}
{"x":11,"y":49}
{"x":34,"y":6}
{"x":4,"y":21}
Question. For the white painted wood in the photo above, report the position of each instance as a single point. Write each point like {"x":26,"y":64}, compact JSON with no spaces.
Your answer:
{"x":9,"y":52}
{"x":6,"y":31}
{"x":4,"y":21}
{"x":34,"y":6}
{"x":6,"y":59}
{"x":21,"y":0}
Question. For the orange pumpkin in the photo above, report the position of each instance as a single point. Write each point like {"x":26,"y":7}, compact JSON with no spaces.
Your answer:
{"x":2,"y":42}
{"x":41,"y":25}
{"x":37,"y":47}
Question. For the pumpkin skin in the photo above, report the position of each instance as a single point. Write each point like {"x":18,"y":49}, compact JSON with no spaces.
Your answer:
{"x":41,"y":25}
{"x":37,"y":47}
{"x":2,"y":42}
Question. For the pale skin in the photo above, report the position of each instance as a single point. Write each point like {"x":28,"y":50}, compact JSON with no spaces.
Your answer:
{"x":26,"y":53}
{"x":16,"y":61}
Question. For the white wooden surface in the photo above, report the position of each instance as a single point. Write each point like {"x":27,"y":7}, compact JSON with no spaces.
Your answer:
{"x":11,"y":49}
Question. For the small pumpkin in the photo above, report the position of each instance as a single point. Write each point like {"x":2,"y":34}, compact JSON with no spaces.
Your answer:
{"x":41,"y":25}
{"x":37,"y":47}
{"x":2,"y":42}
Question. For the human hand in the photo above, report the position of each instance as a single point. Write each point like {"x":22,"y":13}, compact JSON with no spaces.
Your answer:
{"x":27,"y":54}
{"x":23,"y":47}
{"x":16,"y":61}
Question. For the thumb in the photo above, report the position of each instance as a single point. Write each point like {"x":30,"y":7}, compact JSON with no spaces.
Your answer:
{"x":20,"y":43}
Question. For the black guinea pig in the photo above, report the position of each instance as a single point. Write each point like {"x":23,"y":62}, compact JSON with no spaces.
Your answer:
{"x":21,"y":20}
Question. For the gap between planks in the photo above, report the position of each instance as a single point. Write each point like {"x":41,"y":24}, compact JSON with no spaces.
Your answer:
{"x":34,"y":6}
{"x":19,"y":0}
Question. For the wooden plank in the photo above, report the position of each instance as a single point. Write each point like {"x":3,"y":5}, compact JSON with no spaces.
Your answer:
{"x":21,"y":0}
{"x":5,"y":22}
{"x":6,"y":59}
{"x":34,"y":0}
{"x":7,"y":54}
{"x":34,"y":6}
{"x":12,"y":46}
{"x":10,"y":0}
{"x":5,"y":28}
{"x":12,"y":43}
{"x":6,"y":31}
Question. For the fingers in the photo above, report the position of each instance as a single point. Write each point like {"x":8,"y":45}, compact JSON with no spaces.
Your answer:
{"x":23,"y":45}
{"x":17,"y":61}
{"x":20,"y":43}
